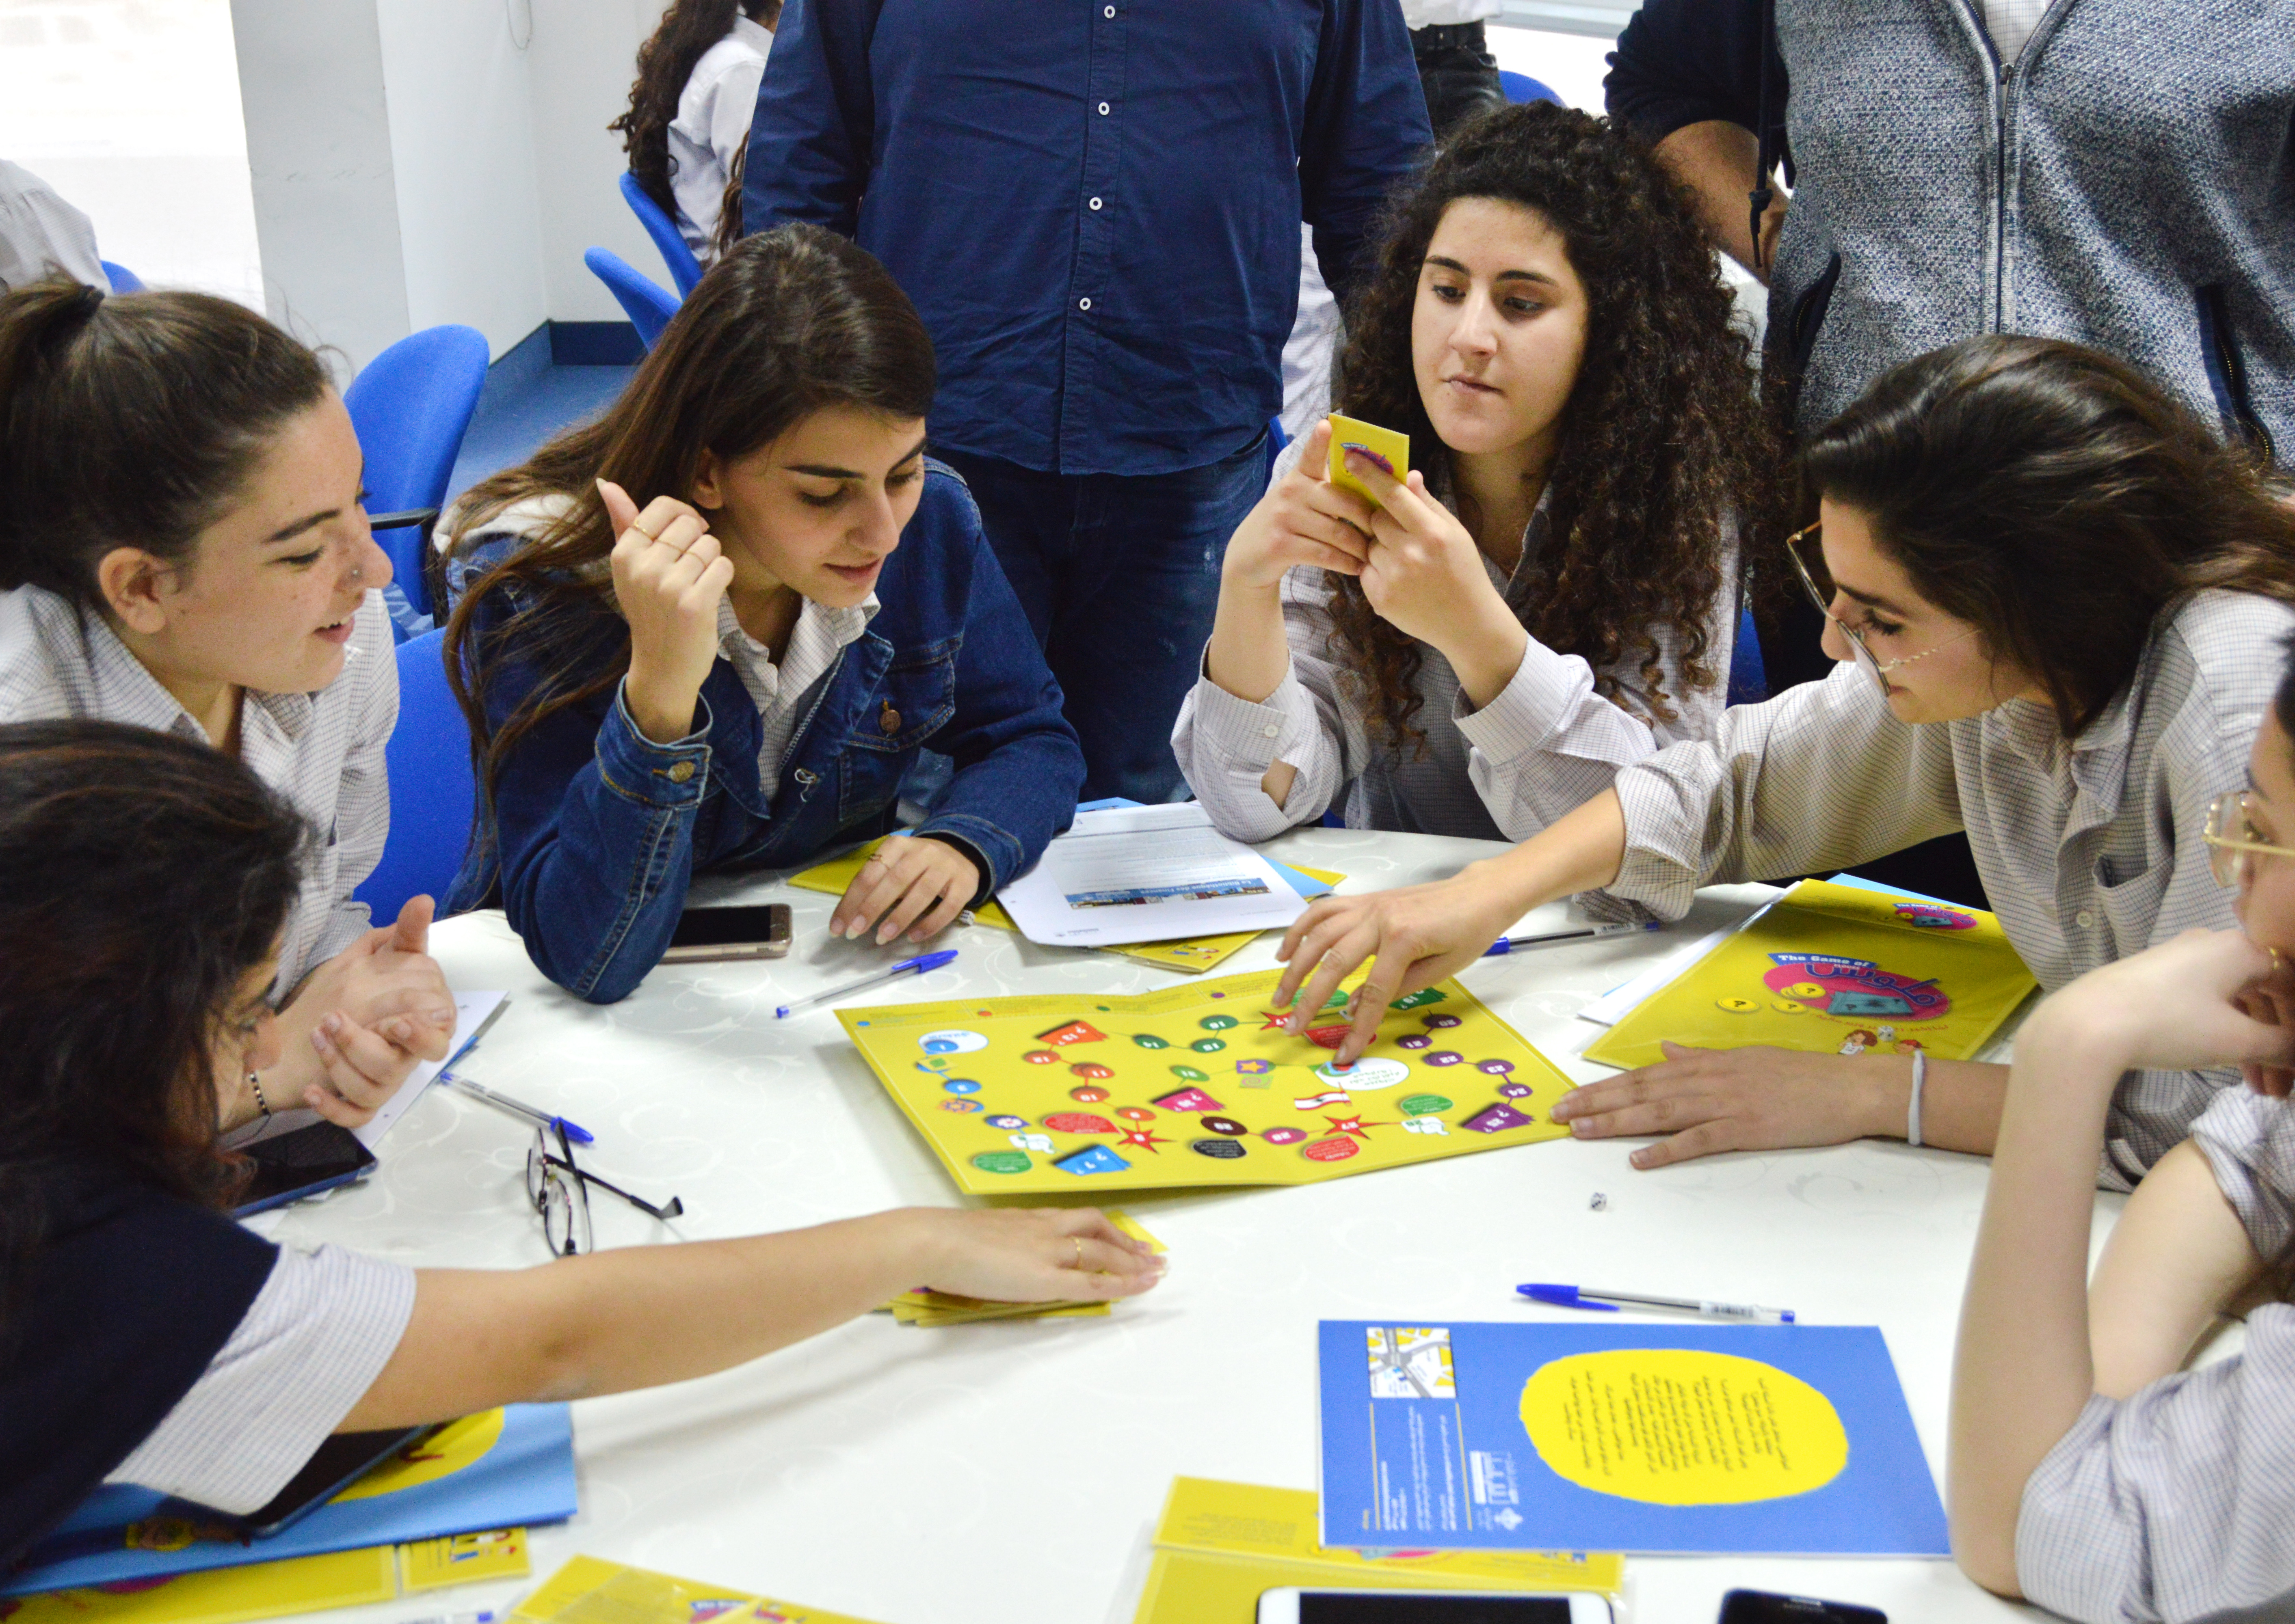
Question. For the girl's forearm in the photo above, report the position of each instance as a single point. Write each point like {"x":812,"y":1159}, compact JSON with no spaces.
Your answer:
{"x":1249,"y":656}
{"x":1580,"y":851}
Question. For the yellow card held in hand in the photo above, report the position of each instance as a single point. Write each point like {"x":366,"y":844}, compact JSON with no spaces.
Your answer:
{"x":1391,"y":448}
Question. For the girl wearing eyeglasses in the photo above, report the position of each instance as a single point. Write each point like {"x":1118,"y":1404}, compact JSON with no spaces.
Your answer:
{"x":144,"y":883}
{"x":2090,"y":1471}
{"x":2046,"y":586}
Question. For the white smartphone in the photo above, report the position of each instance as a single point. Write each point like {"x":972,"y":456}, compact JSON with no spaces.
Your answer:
{"x":1295,"y":1606}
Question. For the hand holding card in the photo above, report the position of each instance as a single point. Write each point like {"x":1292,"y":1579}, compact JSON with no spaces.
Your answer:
{"x":1390,"y":448}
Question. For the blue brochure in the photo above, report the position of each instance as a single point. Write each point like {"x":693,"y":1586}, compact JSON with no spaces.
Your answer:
{"x":1771,"y":1439}
{"x":505,"y":1468}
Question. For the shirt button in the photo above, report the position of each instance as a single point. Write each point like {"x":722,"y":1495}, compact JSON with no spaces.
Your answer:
{"x":1103,"y":109}
{"x":1095,"y":202}
{"x":1271,"y":733}
{"x":681,"y":772}
{"x":1083,"y":304}
{"x":1110,"y":11}
{"x":2084,"y":919}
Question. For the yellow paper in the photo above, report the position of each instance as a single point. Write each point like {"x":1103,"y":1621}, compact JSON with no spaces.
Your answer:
{"x":929,"y":1309}
{"x":282,"y":1589}
{"x":589,"y":1591}
{"x":1195,"y":1085}
{"x":1387,"y":444}
{"x":1835,"y":969}
{"x":1194,"y":955}
{"x":1218,"y":1544}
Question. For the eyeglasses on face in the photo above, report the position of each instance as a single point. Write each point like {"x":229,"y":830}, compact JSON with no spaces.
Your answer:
{"x":559,"y":1193}
{"x":2233,"y":841}
{"x":1805,"y":547}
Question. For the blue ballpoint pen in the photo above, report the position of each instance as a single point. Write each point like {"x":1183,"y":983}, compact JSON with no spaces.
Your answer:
{"x":539,"y":1119}
{"x":917,"y":965}
{"x":1584,"y":933}
{"x":1610,"y":1302}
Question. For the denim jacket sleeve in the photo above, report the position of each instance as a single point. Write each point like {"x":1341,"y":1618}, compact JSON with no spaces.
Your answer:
{"x":594,"y":831}
{"x":1018,"y":766}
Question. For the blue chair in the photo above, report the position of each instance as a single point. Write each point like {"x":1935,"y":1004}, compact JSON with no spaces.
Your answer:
{"x":647,"y":303}
{"x":684,"y":269}
{"x":433,"y":790}
{"x":411,"y":406}
{"x":122,"y":279}
{"x":1276,"y":441}
{"x":1520,"y":87}
{"x":1749,"y":678}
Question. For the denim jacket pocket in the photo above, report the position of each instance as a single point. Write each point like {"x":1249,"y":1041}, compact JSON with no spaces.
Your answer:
{"x":915,"y":700}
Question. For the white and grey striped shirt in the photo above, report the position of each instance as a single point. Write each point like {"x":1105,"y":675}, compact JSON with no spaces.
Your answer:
{"x":312,"y":1341}
{"x":2089,"y":848}
{"x":324,"y":751}
{"x":1545,"y":746}
{"x":2179,"y":1502}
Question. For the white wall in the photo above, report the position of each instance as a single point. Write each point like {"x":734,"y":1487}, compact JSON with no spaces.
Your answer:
{"x":583,"y":58}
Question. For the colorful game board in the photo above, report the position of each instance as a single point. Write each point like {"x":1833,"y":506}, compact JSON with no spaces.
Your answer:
{"x":1833,"y":970}
{"x":1199,"y":1085}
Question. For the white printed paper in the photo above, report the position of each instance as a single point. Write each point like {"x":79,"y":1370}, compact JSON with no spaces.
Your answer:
{"x":1146,"y":874}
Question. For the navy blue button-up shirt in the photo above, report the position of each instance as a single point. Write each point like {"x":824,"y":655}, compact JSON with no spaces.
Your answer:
{"x":1095,"y":206}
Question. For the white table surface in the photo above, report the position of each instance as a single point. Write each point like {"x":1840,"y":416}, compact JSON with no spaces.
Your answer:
{"x":1014,"y":1472}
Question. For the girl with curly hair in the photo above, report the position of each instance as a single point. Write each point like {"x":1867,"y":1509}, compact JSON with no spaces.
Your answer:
{"x":688,"y":123}
{"x":1553,"y":593}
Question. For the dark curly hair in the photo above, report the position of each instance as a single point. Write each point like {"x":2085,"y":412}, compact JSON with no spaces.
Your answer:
{"x":664,"y":62}
{"x":1663,"y":439}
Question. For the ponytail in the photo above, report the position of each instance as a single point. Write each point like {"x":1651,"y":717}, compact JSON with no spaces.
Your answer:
{"x":131,"y":420}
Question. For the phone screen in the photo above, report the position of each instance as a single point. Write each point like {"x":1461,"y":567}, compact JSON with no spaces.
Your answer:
{"x":1370,"y":1607}
{"x":730,"y":926}
{"x":309,"y":1158}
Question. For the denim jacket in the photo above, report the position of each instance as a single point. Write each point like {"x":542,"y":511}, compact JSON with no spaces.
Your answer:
{"x":595,"y":831}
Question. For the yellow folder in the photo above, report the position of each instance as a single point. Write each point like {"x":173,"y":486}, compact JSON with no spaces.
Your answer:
{"x":589,"y":1591}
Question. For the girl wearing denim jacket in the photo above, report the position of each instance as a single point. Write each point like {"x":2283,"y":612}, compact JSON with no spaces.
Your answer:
{"x":713,"y":630}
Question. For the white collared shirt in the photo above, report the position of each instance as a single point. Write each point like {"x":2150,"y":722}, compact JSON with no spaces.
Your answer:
{"x":711,"y":128}
{"x":820,"y":632}
{"x":41,"y":234}
{"x":322,"y":751}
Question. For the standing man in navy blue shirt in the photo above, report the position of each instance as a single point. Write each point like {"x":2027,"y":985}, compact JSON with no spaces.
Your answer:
{"x":1095,"y":205}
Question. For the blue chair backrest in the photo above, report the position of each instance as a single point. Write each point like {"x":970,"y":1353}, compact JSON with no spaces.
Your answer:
{"x":433,"y":791}
{"x":1520,"y":87}
{"x":647,"y":303}
{"x":1749,"y":678}
{"x":1276,"y":441}
{"x":684,"y":269}
{"x":411,"y":406}
{"x":122,"y":279}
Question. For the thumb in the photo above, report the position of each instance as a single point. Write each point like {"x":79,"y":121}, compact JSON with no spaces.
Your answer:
{"x":1676,"y":1051}
{"x":621,"y":512}
{"x":412,"y":934}
{"x":1315,"y":461}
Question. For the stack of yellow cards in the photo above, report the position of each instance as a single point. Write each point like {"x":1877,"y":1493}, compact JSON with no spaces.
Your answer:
{"x":1383,"y":446}
{"x":931,"y":1308}
{"x":589,"y":1591}
{"x":1220,"y":1545}
{"x":294,"y":1587}
{"x":1194,"y":955}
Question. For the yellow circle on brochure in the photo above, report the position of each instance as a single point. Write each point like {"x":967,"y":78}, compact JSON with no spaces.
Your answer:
{"x":1736,"y":1005}
{"x":1681,"y":1427}
{"x":453,"y":1447}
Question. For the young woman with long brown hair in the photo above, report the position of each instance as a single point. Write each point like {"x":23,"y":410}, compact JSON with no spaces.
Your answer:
{"x":1555,"y":592}
{"x":688,"y":123}
{"x":2048,"y":589}
{"x":740,"y":672}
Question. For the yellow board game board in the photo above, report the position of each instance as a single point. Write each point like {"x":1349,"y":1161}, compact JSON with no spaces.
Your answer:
{"x":1197,"y":1085}
{"x":590,"y":1591}
{"x":1836,"y":969}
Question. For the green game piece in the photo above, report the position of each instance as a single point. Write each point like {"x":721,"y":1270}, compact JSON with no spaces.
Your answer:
{"x":1419,"y":1000}
{"x":1148,"y":1039}
{"x":1187,"y":1073}
{"x":1208,"y":1046}
{"x":1216,"y":1023}
{"x":1423,"y":1105}
{"x":1002,"y":1162}
{"x":1337,"y":999}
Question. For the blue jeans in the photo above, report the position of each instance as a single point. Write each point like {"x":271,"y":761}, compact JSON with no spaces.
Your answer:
{"x":1119,"y":577}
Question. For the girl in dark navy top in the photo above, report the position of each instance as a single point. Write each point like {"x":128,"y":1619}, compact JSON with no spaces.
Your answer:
{"x":145,"y":1338}
{"x":714,"y":628}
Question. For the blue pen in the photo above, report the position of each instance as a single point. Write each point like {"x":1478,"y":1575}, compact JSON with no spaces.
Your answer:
{"x":917,"y":965}
{"x":539,"y":1119}
{"x":1509,"y":945}
{"x":1609,"y":1302}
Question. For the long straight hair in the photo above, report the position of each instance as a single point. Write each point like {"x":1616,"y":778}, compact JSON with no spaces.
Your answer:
{"x":2055,"y":499}
{"x":792,"y":321}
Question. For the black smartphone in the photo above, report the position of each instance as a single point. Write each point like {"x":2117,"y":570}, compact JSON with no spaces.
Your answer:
{"x":753,"y":931}
{"x":303,"y":1163}
{"x":341,"y":1461}
{"x":1296,"y":1606}
{"x":1766,"y":1607}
